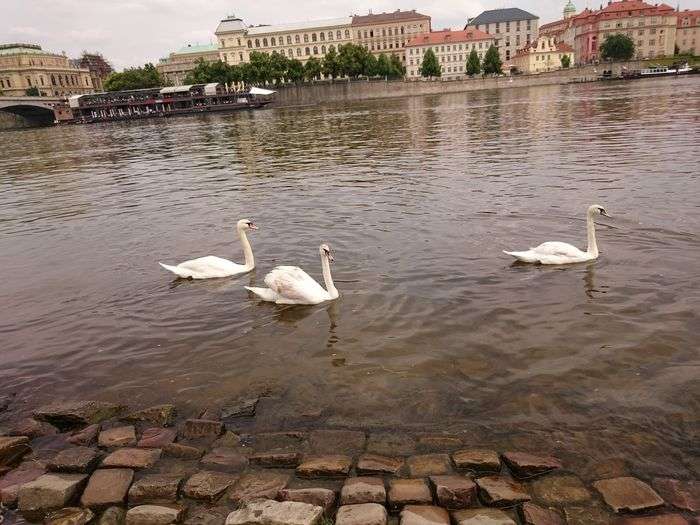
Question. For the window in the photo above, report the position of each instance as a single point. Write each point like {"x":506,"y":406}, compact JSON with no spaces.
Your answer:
{"x":257,"y":42}
{"x":402,"y":30}
{"x":383,"y":32}
{"x":297,"y":39}
{"x":529,"y":25}
{"x":240,"y":56}
{"x":322,"y":37}
{"x":347,"y":33}
{"x":323,"y":49}
{"x":507,"y":27}
{"x":315,"y":50}
{"x":338,"y":35}
{"x":517,"y":25}
{"x":306,"y":38}
{"x":652,"y":42}
{"x":307,"y":51}
{"x":264,"y":42}
{"x":239,"y":42}
{"x":313,"y":37}
{"x":290,"y":53}
{"x":273,"y":41}
{"x":250,"y":43}
{"x":298,"y":51}
{"x":641,"y":32}
{"x":498,"y":27}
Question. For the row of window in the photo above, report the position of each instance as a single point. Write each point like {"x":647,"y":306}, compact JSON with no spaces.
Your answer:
{"x":445,"y":69}
{"x":385,"y":32}
{"x":314,"y":37}
{"x":497,"y":26}
{"x":455,"y":47}
{"x":56,"y":80}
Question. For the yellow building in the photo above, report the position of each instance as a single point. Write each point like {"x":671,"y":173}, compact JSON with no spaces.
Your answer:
{"x":688,"y":32}
{"x":542,"y":55}
{"x":25,"y":66}
{"x":388,"y":33}
{"x":175,"y":67}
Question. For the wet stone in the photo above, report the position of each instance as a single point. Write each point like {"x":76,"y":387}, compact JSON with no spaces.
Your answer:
{"x":258,"y":485}
{"x":207,"y":516}
{"x":428,"y":465}
{"x":374,"y":464}
{"x":590,"y":513}
{"x":560,"y":490}
{"x":389,"y":444}
{"x":157,"y":437}
{"x":269,"y":512}
{"x":363,"y":490}
{"x":48,"y":492}
{"x":239,"y":408}
{"x":33,"y":429}
{"x":500,"y":491}
{"x":107,"y":487}
{"x":69,"y":516}
{"x":113,"y":516}
{"x":117,"y":437}
{"x":153,"y":515}
{"x":162,"y":415}
{"x":212,"y":413}
{"x":207,"y":485}
{"x":276,"y":459}
{"x":628,"y":494}
{"x":454,"y":492}
{"x":481,"y":517}
{"x":178,"y":450}
{"x":605,"y":469}
{"x":267,"y":441}
{"x":13,"y":449}
{"x":85,"y":437}
{"x":424,"y":515}
{"x":524,"y":465}
{"x":78,"y":459}
{"x":10,"y":482}
{"x":226,"y":458}
{"x":362,"y":514}
{"x":662,"y":519}
{"x":684,"y":495}
{"x":202,"y":428}
{"x":477,"y":460}
{"x":324,"y":466}
{"x":439,"y":443}
{"x":154,"y":488}
{"x":136,"y":458}
{"x":348,"y":442}
{"x":408,"y":492}
{"x":69,"y":415}
{"x":227,"y":440}
{"x":324,"y":498}
{"x":534,"y":515}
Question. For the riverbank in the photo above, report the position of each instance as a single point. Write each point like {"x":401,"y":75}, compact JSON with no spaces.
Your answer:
{"x":70,"y":462}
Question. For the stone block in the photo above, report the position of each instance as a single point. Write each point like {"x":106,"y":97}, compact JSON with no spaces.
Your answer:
{"x":628,"y":494}
{"x":209,"y":486}
{"x":135,"y":458}
{"x":11,"y":482}
{"x":321,"y":497}
{"x":324,"y":466}
{"x":227,"y":459}
{"x":69,"y":516}
{"x":276,"y":459}
{"x":477,"y":460}
{"x":374,"y":464}
{"x":408,"y":492}
{"x":107,"y":487}
{"x":257,"y":485}
{"x":162,"y":415}
{"x":534,"y":515}
{"x":559,"y":490}
{"x":66,"y":415}
{"x":13,"y":449}
{"x":85,"y":437}
{"x":454,"y":492}
{"x":424,"y":515}
{"x":77,"y":459}
{"x":391,"y":444}
{"x":481,"y":517}
{"x":348,"y":442}
{"x":49,"y":492}
{"x":202,"y":428}
{"x":684,"y":495}
{"x":499,"y":491}
{"x":113,"y":516}
{"x":428,"y":465}
{"x":157,"y":437}
{"x":362,"y":514}
{"x":270,"y":512}
{"x":178,"y":450}
{"x":154,"y":515}
{"x":117,"y":437}
{"x":155,"y":488}
{"x":363,"y":490}
{"x":524,"y":465}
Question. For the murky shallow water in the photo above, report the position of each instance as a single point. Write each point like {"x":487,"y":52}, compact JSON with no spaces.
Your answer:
{"x":435,"y":328}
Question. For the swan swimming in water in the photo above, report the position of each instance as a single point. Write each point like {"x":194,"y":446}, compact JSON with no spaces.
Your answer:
{"x":292,"y":285}
{"x":561,"y":252}
{"x":210,"y":267}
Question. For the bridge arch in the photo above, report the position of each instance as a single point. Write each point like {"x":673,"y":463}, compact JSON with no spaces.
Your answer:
{"x":34,"y":110}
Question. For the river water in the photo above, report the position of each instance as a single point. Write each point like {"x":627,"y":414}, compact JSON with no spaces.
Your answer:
{"x":435,"y":328}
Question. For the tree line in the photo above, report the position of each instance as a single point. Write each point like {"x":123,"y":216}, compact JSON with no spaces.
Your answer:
{"x":491,"y":65}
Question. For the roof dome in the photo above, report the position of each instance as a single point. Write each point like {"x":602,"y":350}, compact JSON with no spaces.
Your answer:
{"x":569,"y":9}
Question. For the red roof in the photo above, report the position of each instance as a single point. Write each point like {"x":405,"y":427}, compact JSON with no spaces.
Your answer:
{"x":382,"y":18}
{"x":558,"y":46}
{"x":621,"y":9}
{"x":687,"y":13}
{"x":448,"y":36}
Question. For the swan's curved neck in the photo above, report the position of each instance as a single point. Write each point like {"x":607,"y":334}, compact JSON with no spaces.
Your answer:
{"x":592,"y":244}
{"x":247,"y":250}
{"x":330,"y":287}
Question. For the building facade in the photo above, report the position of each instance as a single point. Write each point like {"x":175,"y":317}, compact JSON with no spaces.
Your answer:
{"x":451,"y":48}
{"x":688,"y":32}
{"x":651,"y":27}
{"x":512,"y":28}
{"x":175,"y":67}
{"x":98,"y":67}
{"x":25,"y":66}
{"x":388,"y":33}
{"x":561,"y":30}
{"x":542,"y":55}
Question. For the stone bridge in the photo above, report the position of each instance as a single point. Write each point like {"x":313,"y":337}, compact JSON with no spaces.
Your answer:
{"x":34,"y":110}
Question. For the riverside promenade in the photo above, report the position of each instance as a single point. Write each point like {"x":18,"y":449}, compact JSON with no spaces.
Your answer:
{"x":70,"y":463}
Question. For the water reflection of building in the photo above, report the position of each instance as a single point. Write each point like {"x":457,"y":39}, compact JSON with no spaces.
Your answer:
{"x":175,"y":67}
{"x":27,"y":66}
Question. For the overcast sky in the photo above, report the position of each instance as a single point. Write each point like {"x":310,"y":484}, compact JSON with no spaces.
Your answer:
{"x":132,"y":32}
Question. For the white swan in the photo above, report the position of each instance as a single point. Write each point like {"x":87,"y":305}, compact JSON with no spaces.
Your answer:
{"x":210,"y":266}
{"x":561,"y":252}
{"x":292,"y":285}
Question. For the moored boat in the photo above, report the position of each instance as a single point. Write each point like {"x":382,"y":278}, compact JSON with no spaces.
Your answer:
{"x":655,"y":70}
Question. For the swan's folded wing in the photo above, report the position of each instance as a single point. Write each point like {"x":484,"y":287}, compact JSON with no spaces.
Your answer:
{"x":209,"y":264}
{"x":558,"y":249}
{"x":291,"y":282}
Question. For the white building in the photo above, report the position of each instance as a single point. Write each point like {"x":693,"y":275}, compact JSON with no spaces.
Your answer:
{"x":512,"y":29}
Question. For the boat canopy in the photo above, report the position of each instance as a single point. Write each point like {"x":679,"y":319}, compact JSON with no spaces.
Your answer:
{"x":261,"y":91}
{"x":213,"y":88}
{"x":74,"y":101}
{"x":177,"y":89}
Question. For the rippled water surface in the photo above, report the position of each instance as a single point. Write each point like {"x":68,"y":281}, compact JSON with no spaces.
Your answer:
{"x":435,"y":328}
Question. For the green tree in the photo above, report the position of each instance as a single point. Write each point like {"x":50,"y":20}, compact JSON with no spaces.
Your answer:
{"x":383,"y":65}
{"x":430,"y":66}
{"x":492,"y":62}
{"x":617,"y":47}
{"x":473,"y":64}
{"x":313,"y":69}
{"x":369,"y":65}
{"x":32,"y":92}
{"x":355,"y":60}
{"x":278,"y":67}
{"x":565,"y":61}
{"x":261,"y":67}
{"x":135,"y":78}
{"x":331,"y":64}
{"x":295,"y":71}
{"x":398,"y":70}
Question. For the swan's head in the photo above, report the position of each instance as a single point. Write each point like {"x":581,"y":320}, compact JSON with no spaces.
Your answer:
{"x":325,"y":251}
{"x":246,"y":224}
{"x":597,"y":209}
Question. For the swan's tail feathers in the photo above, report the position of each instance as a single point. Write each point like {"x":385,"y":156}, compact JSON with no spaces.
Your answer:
{"x":185,"y":274}
{"x":264,"y":293}
{"x":528,"y":256}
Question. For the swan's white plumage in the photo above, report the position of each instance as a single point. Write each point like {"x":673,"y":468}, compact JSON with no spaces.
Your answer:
{"x":292,"y":285}
{"x":554,"y":252}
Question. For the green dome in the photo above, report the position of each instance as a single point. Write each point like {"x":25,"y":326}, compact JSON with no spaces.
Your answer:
{"x":569,"y":8}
